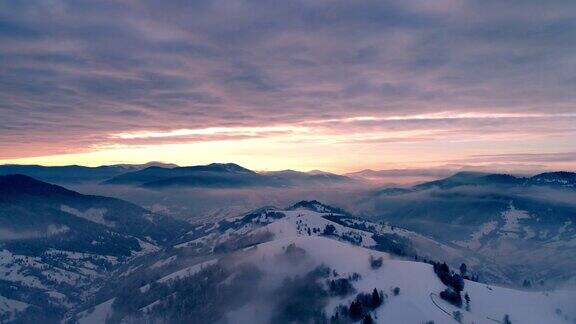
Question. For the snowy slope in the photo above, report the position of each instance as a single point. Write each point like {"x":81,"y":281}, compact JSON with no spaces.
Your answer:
{"x":8,"y":307}
{"x":419,"y":286}
{"x":346,"y":249}
{"x":97,"y":314}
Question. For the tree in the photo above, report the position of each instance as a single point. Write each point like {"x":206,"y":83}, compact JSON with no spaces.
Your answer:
{"x":340,"y":287}
{"x":452,"y":296}
{"x":329,"y":229}
{"x":375,"y":263}
{"x":355,"y":311}
{"x":506,"y":319}
{"x":463,"y":269}
{"x":396,"y":291}
{"x":376,"y":299}
{"x":449,"y":278}
{"x":457,"y":282}
{"x":367,"y":319}
{"x":457,"y":316}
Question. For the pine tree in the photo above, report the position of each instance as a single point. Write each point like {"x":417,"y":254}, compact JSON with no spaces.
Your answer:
{"x":376,"y":299}
{"x":367,"y":319}
{"x":355,"y":311}
{"x":457,"y":316}
{"x":463,"y":269}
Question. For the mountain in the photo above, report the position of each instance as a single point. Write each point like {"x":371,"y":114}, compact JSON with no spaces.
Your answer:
{"x":156,"y":175}
{"x":33,"y":203}
{"x":217,"y":175}
{"x":550,"y":179}
{"x":469,"y":178}
{"x":315,"y":177}
{"x":400,"y":176}
{"x":555,"y":179}
{"x":214,"y":175}
{"x":72,"y":174}
{"x":55,"y":243}
{"x":524,"y":225}
{"x":65,"y":256}
{"x":65,"y":174}
{"x":304,"y":264}
{"x":147,"y":164}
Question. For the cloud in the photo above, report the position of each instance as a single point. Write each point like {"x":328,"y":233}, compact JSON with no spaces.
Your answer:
{"x":524,"y":157}
{"x":73,"y":74}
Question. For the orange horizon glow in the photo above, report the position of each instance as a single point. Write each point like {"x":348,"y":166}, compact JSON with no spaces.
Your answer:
{"x":336,"y":145}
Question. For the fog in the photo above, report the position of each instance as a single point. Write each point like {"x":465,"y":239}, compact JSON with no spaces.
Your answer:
{"x":280,"y":285}
{"x":7,"y":234}
{"x":207,"y":204}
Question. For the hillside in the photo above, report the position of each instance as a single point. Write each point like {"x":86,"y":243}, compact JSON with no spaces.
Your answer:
{"x":56,"y":243}
{"x":311,"y":259}
{"x":524,"y":225}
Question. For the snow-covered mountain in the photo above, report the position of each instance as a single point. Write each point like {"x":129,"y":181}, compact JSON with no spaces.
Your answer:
{"x":93,"y":259}
{"x":523,"y":226}
{"x":310,"y":263}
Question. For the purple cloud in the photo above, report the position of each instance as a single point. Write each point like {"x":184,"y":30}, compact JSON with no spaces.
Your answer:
{"x":74,"y":73}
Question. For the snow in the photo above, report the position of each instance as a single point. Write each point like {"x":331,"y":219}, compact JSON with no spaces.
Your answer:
{"x":130,"y":270}
{"x":188,"y":271}
{"x":418,"y":301}
{"x":567,"y":226}
{"x":13,"y":266}
{"x":163,"y":262}
{"x":474,"y":242}
{"x":10,"y":306}
{"x":53,"y":229}
{"x":95,"y":215}
{"x":146,"y":248}
{"x":96,"y":315}
{"x":201,"y":240}
{"x":418,"y":285}
{"x":81,"y":256}
{"x":512,"y":218}
{"x":297,"y":222}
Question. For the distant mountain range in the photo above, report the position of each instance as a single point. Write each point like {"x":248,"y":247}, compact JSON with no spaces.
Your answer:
{"x":400,"y":176}
{"x":230,"y":175}
{"x":558,"y":180}
{"x":75,"y":173}
{"x":217,"y":175}
{"x":157,"y":176}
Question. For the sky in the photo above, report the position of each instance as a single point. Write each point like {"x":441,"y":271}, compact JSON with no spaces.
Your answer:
{"x":333,"y":85}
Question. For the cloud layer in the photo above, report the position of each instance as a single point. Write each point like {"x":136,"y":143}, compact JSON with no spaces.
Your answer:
{"x":76,"y":74}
